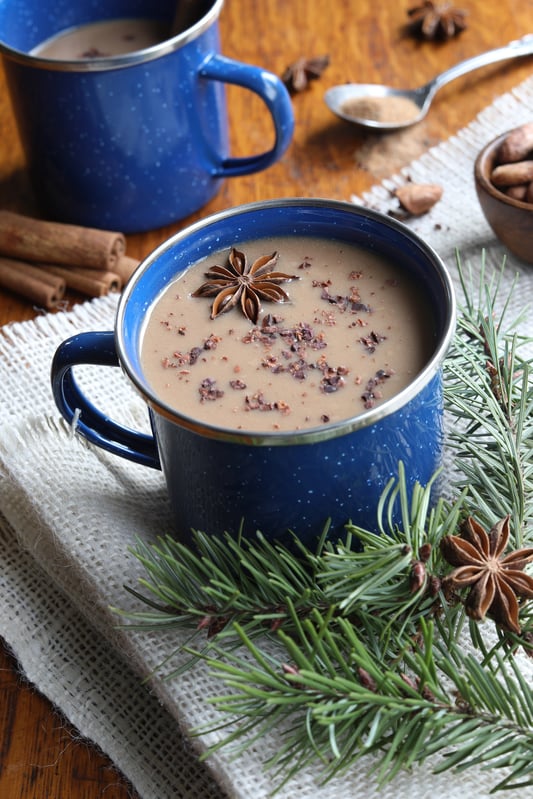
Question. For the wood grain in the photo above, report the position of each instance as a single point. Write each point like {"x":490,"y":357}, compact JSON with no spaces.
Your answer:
{"x":40,"y":754}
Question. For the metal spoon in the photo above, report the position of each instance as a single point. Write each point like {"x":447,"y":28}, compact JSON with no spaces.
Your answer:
{"x":418,"y":100}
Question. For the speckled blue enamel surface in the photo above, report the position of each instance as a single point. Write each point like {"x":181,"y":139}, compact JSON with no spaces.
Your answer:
{"x":216,"y":480}
{"x":299,"y":487}
{"x":133,"y":148}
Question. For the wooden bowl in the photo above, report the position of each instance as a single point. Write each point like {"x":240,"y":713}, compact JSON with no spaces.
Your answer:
{"x":510,"y":219}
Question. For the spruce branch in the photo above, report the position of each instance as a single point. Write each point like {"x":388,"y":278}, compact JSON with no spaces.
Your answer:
{"x":434,"y":700}
{"x":488,"y":392}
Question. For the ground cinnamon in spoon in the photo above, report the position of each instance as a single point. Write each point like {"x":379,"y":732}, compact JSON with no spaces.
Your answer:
{"x":390,"y":109}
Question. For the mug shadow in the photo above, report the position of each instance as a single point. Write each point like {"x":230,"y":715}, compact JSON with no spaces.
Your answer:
{"x":16,"y":193}
{"x":339,"y":135}
{"x":380,"y":153}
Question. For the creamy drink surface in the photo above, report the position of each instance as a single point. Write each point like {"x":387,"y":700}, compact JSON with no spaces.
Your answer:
{"x":355,"y":332}
{"x":103,"y":39}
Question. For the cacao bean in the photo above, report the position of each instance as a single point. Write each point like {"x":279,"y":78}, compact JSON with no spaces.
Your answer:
{"x":517,"y":192}
{"x":512,"y":174}
{"x":418,"y":198}
{"x":517,"y":146}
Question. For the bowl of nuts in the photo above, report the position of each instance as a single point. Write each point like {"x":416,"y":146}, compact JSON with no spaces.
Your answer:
{"x":504,"y":183}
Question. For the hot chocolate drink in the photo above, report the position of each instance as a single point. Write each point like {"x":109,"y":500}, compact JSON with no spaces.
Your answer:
{"x":286,"y":334}
{"x":103,"y":39}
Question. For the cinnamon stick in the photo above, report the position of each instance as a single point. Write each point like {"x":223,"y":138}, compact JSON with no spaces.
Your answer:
{"x":56,"y":242}
{"x":91,"y":282}
{"x":45,"y":290}
{"x":125,"y":267}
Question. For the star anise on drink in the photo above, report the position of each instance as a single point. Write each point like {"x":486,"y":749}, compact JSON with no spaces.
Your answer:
{"x":298,"y":75}
{"x":244,"y":283}
{"x":436,"y":20}
{"x":496,"y":581}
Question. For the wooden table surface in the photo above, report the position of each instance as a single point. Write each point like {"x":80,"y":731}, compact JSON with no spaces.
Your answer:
{"x":40,"y":753}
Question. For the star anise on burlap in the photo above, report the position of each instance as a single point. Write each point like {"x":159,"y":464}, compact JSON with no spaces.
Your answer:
{"x":244,"y":283}
{"x":436,"y":20}
{"x":298,"y":75}
{"x":495,"y":580}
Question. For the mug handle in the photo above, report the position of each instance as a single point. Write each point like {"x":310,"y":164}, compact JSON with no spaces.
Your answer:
{"x":96,"y":348}
{"x":276,"y":98}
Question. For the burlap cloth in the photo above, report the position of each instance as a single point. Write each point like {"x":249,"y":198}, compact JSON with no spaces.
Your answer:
{"x":70,"y":512}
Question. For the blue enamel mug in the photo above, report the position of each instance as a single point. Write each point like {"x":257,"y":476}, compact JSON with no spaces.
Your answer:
{"x":274,"y":481}
{"x":133,"y":141}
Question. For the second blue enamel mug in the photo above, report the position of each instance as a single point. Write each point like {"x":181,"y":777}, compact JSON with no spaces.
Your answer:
{"x":132,"y":141}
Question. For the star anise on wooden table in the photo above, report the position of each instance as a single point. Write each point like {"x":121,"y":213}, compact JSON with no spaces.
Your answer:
{"x":436,"y":20}
{"x":298,"y":75}
{"x":246,"y":283}
{"x":495,"y":580}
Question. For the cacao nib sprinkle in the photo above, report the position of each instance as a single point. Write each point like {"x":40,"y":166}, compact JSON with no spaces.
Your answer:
{"x":282,"y":407}
{"x":180,"y":359}
{"x":303,"y":334}
{"x":94,"y":52}
{"x":298,"y":347}
{"x":298,"y":369}
{"x":354,"y":294}
{"x":371,"y":392}
{"x":194,"y":354}
{"x":331,"y":383}
{"x":356,"y":307}
{"x":263,"y":336}
{"x":351,"y":303}
{"x":297,"y":337}
{"x":270,"y":320}
{"x":269,"y":328}
{"x":257,"y":402}
{"x":306,"y":263}
{"x":211,"y":342}
{"x":208,"y":390}
{"x":332,"y":379}
{"x":371,"y":341}
{"x":237,"y":385}
{"x":338,"y":300}
{"x":319,"y":342}
{"x":328,"y":318}
{"x":191,"y":357}
{"x":270,"y":362}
